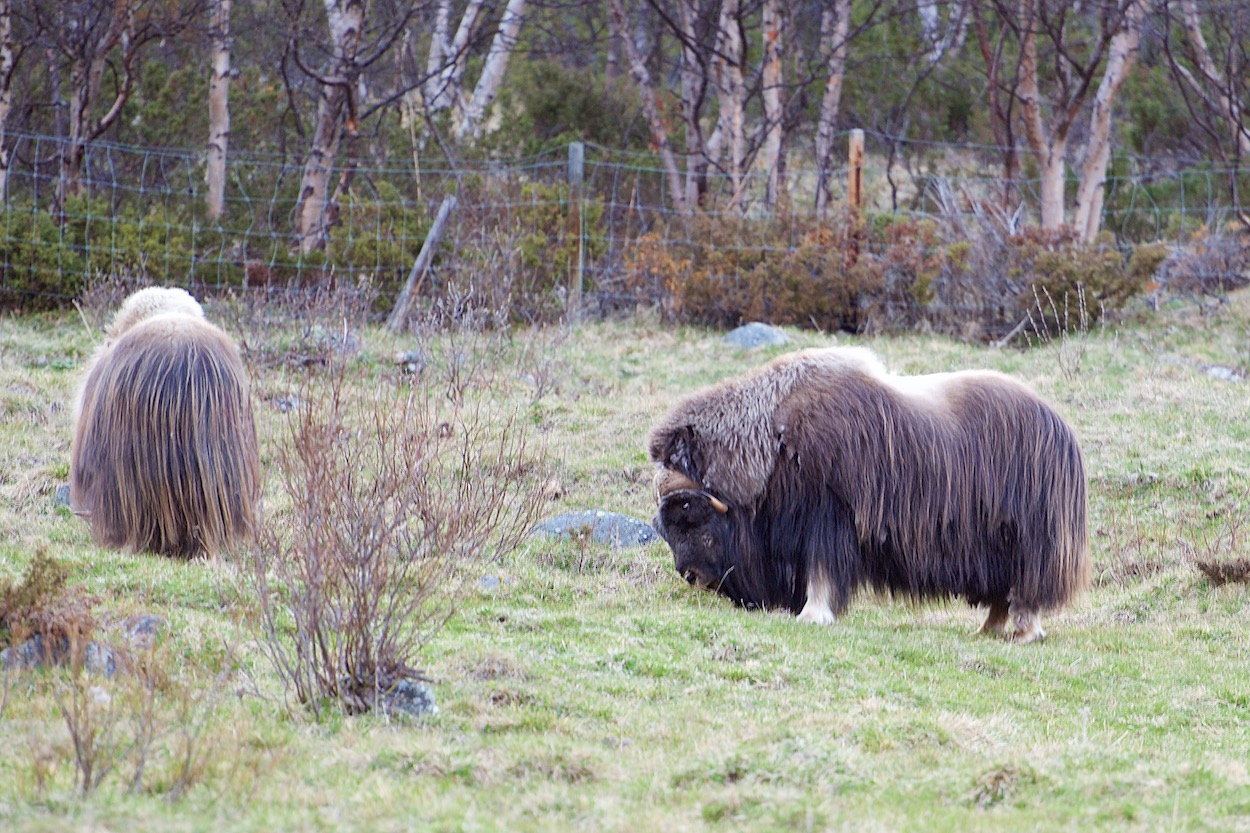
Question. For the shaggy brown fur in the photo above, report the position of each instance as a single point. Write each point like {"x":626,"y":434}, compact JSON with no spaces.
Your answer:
{"x":164,"y":456}
{"x":839,"y":475}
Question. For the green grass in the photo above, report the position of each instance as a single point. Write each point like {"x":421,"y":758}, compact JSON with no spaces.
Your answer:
{"x":593,"y":690}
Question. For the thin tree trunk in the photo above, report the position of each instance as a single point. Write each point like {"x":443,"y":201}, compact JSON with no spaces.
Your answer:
{"x":85,"y":75}
{"x":493,"y":70}
{"x":1049,"y":151}
{"x":1000,"y":114}
{"x":1229,"y":108}
{"x":773,"y":114}
{"x":448,"y":56}
{"x":1092,"y":188}
{"x":835,"y":27}
{"x":346,"y":19}
{"x":7,"y":61}
{"x":219,"y":111}
{"x":732,"y":94}
{"x":694,"y":85}
{"x":651,"y":108}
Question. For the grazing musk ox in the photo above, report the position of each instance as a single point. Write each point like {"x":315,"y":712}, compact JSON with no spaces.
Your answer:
{"x":820,"y":473}
{"x":164,"y":455}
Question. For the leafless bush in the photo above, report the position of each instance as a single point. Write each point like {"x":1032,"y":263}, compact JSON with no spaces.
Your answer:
{"x":393,"y":494}
{"x":1209,"y":266}
{"x":297,"y":326}
{"x":92,"y":716}
{"x":143,"y":720}
{"x":1066,"y":328}
{"x":1215,"y":544}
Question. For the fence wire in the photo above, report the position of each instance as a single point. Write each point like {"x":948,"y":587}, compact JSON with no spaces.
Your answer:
{"x":140,"y":214}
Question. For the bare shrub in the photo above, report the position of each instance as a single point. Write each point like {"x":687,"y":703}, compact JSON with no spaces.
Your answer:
{"x":297,"y":326}
{"x":1208,"y":266}
{"x":393,"y":496}
{"x":147,"y":725}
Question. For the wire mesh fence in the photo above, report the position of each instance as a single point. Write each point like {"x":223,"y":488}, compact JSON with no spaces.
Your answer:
{"x":140,"y":213}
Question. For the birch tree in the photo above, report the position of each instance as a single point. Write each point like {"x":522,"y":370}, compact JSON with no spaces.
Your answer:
{"x":1048,"y":121}
{"x":86,"y":37}
{"x":218,"y":110}
{"x":493,"y":70}
{"x":9,"y":52}
{"x":448,"y":56}
{"x":650,"y":106}
{"x":835,"y":29}
{"x":772,"y":157}
{"x":336,"y":109}
{"x":1120,"y":57}
{"x":1215,"y":95}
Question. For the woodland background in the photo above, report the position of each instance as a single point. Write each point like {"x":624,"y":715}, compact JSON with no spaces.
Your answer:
{"x":1022,"y":155}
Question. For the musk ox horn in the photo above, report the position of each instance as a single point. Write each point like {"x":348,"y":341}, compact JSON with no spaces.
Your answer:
{"x":164,"y":455}
{"x":668,"y":481}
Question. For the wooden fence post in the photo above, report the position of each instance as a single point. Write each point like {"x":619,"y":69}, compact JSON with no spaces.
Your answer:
{"x":396,"y":320}
{"x":855,"y":194}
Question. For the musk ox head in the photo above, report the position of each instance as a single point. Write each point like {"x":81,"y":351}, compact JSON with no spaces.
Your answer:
{"x":164,"y":454}
{"x":695,"y":524}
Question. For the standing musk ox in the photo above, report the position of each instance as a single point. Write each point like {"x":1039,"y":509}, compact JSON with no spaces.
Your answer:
{"x":821,"y":473}
{"x":164,"y":456}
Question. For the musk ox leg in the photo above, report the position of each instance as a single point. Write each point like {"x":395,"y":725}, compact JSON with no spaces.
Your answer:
{"x":818,"y":609}
{"x":996,"y":622}
{"x":1028,"y":624}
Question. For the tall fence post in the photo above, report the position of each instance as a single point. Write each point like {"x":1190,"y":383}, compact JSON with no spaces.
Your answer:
{"x":577,"y":225}
{"x":855,"y":173}
{"x":855,"y":194}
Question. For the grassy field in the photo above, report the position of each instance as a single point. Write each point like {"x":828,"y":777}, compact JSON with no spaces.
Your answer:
{"x":593,"y":690}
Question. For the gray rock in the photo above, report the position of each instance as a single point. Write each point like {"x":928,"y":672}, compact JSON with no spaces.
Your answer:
{"x":619,"y":531}
{"x":408,"y":698}
{"x":1224,"y":374}
{"x":754,"y":335}
{"x":97,"y":658}
{"x":488,"y":583}
{"x":61,"y":495}
{"x":41,"y":652}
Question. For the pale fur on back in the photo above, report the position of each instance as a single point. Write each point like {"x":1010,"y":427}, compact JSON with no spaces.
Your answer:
{"x":150,"y":301}
{"x":735,"y":420}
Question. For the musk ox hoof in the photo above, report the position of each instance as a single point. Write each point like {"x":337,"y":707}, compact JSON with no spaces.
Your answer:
{"x":817,"y":614}
{"x":1028,"y":627}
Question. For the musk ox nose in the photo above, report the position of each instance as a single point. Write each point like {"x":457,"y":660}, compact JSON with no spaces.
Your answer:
{"x":691,"y":577}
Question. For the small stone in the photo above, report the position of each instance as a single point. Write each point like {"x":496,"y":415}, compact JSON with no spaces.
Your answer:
{"x":618,"y":531}
{"x":61,"y":496}
{"x":407,"y":698}
{"x":755,"y":335}
{"x":1224,"y":374}
{"x":410,"y":361}
{"x":488,"y":583}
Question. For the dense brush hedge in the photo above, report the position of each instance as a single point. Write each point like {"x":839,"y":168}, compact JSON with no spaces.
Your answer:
{"x":516,"y":253}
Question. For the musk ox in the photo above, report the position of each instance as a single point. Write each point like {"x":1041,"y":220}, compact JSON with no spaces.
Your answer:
{"x":164,"y":455}
{"x":820,"y":473}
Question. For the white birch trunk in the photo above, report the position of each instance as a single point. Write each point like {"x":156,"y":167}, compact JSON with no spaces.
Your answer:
{"x":772,"y":162}
{"x":346,"y":18}
{"x":1092,"y":189}
{"x":7,"y":62}
{"x":732,"y":94}
{"x":493,"y":71}
{"x":1049,"y":151}
{"x":651,"y":108}
{"x":218,"y":112}
{"x":443,"y":89}
{"x":835,"y":27}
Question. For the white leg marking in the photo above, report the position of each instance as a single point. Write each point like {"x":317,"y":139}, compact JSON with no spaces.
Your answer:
{"x":817,"y":609}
